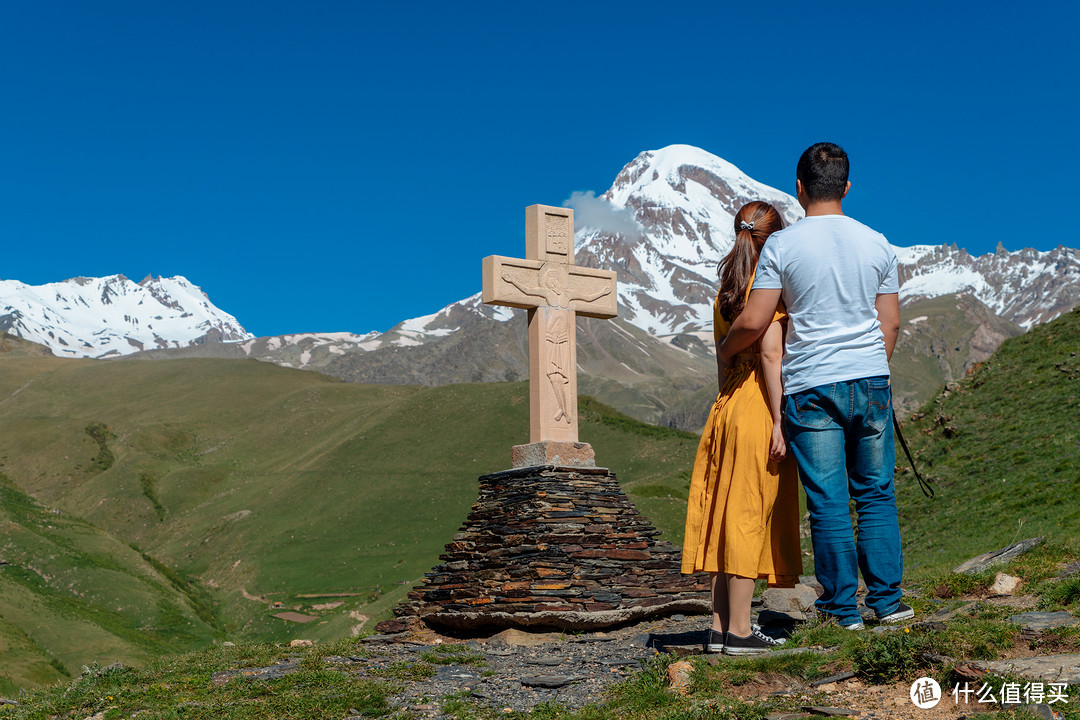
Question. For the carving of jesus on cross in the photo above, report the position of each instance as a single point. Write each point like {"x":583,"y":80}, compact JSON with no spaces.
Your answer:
{"x":554,"y":291}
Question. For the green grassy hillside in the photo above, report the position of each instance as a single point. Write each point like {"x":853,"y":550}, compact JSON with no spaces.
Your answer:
{"x":940,"y":339}
{"x":71,"y":595}
{"x":1004,"y":448}
{"x":250,"y":490}
{"x":267,"y":485}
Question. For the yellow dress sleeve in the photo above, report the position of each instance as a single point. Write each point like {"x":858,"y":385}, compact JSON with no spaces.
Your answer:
{"x":720,"y":325}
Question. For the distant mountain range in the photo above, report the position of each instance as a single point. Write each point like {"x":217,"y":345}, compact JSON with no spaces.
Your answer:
{"x":663,"y":225}
{"x":113,"y":316}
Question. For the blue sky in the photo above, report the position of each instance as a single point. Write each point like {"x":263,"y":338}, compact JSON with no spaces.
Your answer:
{"x":341,"y":166}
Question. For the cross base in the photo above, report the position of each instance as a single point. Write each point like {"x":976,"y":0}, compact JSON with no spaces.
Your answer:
{"x":548,"y":452}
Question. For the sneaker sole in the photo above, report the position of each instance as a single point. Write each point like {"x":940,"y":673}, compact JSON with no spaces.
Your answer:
{"x":745,"y":651}
{"x":714,"y":648}
{"x":898,"y":617}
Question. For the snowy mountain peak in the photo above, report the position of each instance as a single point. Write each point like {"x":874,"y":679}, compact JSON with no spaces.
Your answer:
{"x":111,"y":316}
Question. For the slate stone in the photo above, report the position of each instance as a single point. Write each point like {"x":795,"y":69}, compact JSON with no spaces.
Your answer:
{"x":1045,"y":620}
{"x":550,"y":682}
{"x":826,"y":710}
{"x":1047,"y":668}
{"x":553,"y":547}
{"x":682,"y":650}
{"x":273,"y":672}
{"x":998,"y":557}
{"x":457,"y":673}
{"x":1041,"y":711}
{"x":943,"y":614}
{"x":548,"y":662}
{"x":833,"y":678}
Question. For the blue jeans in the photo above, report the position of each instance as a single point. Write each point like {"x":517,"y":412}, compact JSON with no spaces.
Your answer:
{"x":842,"y":438}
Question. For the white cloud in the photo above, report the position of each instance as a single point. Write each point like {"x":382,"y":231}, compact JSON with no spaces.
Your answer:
{"x":596,"y":213}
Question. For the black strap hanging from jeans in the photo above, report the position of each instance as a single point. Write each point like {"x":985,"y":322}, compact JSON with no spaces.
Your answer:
{"x":927,"y":489}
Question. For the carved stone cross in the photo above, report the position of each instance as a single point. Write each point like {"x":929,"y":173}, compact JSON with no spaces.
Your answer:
{"x":554,"y":291}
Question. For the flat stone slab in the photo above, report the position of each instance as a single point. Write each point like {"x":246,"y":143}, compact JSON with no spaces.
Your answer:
{"x":847,"y":675}
{"x":1045,"y":620}
{"x":682,"y":650}
{"x":457,"y":673}
{"x":550,"y":681}
{"x":826,"y":710}
{"x":943,"y":615}
{"x":998,"y":557}
{"x":1048,"y":668}
{"x":273,"y":672}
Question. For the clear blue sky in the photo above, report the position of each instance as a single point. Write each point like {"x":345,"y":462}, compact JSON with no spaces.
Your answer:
{"x":288,"y":157}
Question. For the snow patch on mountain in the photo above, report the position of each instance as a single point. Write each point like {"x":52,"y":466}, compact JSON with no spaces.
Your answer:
{"x":113,"y":316}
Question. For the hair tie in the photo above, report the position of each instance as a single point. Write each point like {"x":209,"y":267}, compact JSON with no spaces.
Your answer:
{"x":743,"y":225}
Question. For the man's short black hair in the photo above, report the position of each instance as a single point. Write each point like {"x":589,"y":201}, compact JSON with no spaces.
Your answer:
{"x":823,"y":172}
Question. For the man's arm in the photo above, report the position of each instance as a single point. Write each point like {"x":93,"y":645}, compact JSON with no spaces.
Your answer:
{"x":888,"y":313}
{"x":751,"y":323}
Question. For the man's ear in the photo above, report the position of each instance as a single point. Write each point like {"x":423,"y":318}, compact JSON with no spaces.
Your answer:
{"x":846,"y":189}
{"x":798,"y":187}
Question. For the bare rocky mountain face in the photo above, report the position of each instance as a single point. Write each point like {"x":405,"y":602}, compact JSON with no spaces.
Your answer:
{"x":663,"y":226}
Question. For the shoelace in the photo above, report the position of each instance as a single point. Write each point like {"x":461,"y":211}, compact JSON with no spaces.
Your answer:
{"x":755,"y":630}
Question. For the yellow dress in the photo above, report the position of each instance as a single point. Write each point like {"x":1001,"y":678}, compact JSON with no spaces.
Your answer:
{"x":742,"y":516}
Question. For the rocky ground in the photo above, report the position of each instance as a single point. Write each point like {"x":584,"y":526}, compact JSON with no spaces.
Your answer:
{"x":515,"y":670}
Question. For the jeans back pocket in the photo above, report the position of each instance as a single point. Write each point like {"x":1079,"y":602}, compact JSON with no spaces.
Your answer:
{"x":810,"y":409}
{"x":878,"y":403}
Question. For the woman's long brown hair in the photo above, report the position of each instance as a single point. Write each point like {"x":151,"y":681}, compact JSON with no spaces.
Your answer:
{"x":735,"y":270}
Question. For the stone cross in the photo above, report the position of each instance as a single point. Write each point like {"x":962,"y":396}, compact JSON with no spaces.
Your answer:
{"x":554,"y":291}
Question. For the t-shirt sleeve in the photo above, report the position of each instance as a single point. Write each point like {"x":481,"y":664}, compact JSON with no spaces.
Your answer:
{"x":767,"y":275}
{"x":890,"y":284}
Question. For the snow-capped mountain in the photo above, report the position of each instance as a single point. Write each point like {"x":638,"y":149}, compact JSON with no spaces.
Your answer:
{"x":112,"y":316}
{"x":1027,"y":287}
{"x":663,"y":226}
{"x":668,"y":219}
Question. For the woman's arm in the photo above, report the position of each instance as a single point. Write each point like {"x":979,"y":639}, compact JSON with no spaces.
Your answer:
{"x":721,"y":366}
{"x":772,"y":351}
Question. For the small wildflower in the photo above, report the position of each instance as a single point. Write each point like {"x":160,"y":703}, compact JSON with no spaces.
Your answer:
{"x":907,"y":630}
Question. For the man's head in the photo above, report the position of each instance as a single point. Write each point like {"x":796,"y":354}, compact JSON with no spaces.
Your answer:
{"x":822,"y":173}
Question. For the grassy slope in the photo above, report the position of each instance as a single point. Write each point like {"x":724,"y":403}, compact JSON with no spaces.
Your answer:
{"x":1011,"y":468}
{"x":279,"y":483}
{"x":267,"y":483}
{"x":71,"y":594}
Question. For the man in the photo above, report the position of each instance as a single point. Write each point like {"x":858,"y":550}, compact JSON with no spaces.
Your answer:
{"x":837,"y":279}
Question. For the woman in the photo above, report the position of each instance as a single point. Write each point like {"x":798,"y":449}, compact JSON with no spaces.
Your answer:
{"x":742,"y":518}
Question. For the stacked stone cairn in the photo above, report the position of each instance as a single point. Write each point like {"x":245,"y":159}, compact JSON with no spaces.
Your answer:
{"x":554,"y":547}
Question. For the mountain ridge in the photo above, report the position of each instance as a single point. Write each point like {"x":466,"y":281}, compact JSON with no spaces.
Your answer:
{"x":664,"y":223}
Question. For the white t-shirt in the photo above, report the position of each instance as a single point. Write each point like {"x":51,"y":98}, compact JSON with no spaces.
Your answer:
{"x":831,"y":269}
